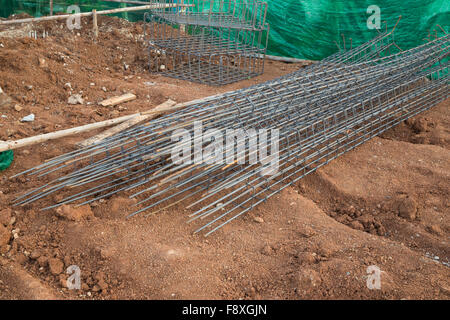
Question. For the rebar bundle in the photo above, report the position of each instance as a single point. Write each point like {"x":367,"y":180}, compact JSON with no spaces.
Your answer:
{"x":215,"y":42}
{"x":320,"y":112}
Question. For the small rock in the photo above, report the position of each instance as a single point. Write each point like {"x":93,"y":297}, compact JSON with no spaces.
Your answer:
{"x":351,"y":210}
{"x":408,"y":209}
{"x":306,"y":258}
{"x":43,"y":63}
{"x":104,"y":89}
{"x":18,"y":108}
{"x":42,"y":261}
{"x":5,"y":100}
{"x":356,"y":225}
{"x":67,"y":261}
{"x":29,"y":87}
{"x":35,"y":254}
{"x":5,"y":216}
{"x":96,"y":288}
{"x":75,"y":214}
{"x":4,"y":236}
{"x":28,"y":118}
{"x":55,"y":266}
{"x":344,"y":218}
{"x":435,"y":229}
{"x":381,"y":231}
{"x":258,"y":219}
{"x":75,"y":99}
{"x":420,"y":125}
{"x":366,"y":220}
{"x":15,"y":233}
{"x":68,"y":85}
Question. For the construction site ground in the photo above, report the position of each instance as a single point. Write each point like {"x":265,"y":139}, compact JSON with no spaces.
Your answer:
{"x":385,"y":204}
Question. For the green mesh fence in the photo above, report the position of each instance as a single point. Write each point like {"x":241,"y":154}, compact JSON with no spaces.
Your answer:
{"x":6,"y":158}
{"x":314,"y":29}
{"x":310,"y":29}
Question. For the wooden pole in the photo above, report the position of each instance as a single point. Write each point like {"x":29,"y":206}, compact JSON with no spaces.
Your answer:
{"x":94,"y":22}
{"x":11,"y":145}
{"x":51,"y":7}
{"x":88,"y":14}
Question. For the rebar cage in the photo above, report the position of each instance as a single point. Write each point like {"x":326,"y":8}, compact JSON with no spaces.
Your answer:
{"x":321,"y":111}
{"x":214,"y":42}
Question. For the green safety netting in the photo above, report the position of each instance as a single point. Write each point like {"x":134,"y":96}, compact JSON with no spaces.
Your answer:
{"x":311,"y":29}
{"x":6,"y":158}
{"x":315,"y":29}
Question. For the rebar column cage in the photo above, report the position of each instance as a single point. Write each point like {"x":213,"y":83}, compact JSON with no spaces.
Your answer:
{"x":214,"y":42}
{"x":321,"y":112}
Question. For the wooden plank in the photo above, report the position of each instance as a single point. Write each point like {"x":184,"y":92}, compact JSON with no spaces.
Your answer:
{"x":117,"y":100}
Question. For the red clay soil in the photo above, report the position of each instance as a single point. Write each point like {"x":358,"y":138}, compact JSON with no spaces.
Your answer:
{"x":384,"y":204}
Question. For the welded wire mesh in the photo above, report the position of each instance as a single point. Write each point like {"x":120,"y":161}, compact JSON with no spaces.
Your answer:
{"x":213,"y":42}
